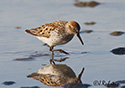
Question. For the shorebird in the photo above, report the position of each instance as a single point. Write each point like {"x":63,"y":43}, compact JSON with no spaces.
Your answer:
{"x":56,"y":33}
{"x":57,"y":75}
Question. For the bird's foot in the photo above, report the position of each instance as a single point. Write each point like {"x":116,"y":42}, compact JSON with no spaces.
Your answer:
{"x":62,"y":51}
{"x":52,"y":61}
{"x":60,"y":60}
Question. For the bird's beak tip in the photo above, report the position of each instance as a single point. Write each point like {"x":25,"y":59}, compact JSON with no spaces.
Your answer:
{"x":83,"y":44}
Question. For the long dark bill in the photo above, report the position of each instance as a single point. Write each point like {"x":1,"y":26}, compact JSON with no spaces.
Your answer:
{"x":80,"y":39}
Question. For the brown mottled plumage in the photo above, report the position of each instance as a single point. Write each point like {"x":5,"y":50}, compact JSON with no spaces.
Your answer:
{"x":44,"y":30}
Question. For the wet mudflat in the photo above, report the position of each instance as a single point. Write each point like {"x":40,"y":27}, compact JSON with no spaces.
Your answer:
{"x":102,"y":56}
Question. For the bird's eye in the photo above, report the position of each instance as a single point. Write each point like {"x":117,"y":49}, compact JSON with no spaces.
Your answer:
{"x":75,"y":30}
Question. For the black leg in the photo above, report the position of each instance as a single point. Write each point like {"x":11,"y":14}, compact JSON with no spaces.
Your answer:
{"x":52,"y":57}
{"x":52,"y":50}
{"x":52,"y":61}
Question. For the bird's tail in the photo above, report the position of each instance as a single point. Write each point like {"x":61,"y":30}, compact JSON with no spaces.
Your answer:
{"x":32,"y":31}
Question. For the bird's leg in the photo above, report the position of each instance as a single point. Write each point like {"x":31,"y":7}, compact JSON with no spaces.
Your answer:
{"x":61,"y":59}
{"x":60,"y":50}
{"x":52,"y":50}
{"x":52,"y":57}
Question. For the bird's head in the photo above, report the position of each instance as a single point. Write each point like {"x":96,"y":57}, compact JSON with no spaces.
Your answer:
{"x":74,"y":28}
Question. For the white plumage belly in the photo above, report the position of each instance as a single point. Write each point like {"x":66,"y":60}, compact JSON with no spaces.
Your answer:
{"x":54,"y":40}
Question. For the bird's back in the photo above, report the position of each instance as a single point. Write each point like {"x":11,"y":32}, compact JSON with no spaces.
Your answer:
{"x":44,"y":30}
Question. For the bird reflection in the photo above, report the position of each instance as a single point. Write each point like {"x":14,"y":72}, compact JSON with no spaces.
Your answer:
{"x":57,"y":75}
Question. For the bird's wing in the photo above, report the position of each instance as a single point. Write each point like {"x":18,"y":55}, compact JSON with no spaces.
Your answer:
{"x":44,"y":30}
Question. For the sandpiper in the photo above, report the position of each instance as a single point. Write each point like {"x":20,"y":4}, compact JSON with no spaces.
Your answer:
{"x":57,"y":75}
{"x":56,"y":33}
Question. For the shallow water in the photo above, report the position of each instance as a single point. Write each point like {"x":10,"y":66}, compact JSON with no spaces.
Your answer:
{"x":95,"y":55}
